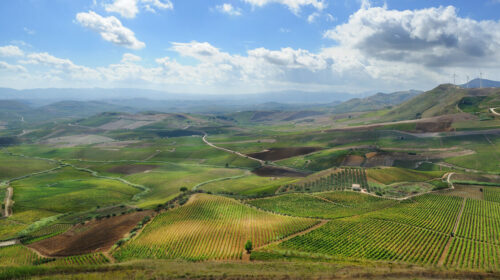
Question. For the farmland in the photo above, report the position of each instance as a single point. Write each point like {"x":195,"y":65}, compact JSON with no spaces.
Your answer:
{"x":122,"y":194}
{"x":209,"y":227}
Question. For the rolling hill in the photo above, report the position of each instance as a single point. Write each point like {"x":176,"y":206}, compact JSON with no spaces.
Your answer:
{"x":442,"y":100}
{"x":375,"y":102}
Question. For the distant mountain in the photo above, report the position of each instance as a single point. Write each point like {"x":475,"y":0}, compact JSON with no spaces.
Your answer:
{"x":375,"y":102}
{"x":13,"y":110}
{"x":87,"y":94}
{"x":477,"y":83}
{"x":442,"y":100}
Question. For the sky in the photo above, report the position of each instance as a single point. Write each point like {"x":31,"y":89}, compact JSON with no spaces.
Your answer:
{"x":247,"y":46}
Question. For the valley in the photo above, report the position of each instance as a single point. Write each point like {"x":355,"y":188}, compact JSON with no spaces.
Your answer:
{"x":405,"y":192}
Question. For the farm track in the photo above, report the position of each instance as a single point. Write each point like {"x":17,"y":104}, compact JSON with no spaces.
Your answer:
{"x":442,"y":259}
{"x":218,"y":180}
{"x":494,"y":112}
{"x":246,"y":257}
{"x":9,"y":192}
{"x":231,"y":151}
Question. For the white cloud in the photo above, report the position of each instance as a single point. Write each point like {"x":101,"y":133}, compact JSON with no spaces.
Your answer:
{"x":312,"y":17}
{"x":294,"y":5}
{"x":284,"y":30}
{"x":376,"y":49}
{"x":130,"y":8}
{"x":227,"y":8}
{"x":11,"y":50}
{"x":110,"y":29}
{"x":126,"y":8}
{"x":435,"y":37}
{"x":128,"y":57}
{"x":29,"y":31}
{"x":4,"y":66}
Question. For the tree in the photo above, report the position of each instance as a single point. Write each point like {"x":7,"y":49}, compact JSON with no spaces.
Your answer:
{"x":184,"y":189}
{"x":248,"y":246}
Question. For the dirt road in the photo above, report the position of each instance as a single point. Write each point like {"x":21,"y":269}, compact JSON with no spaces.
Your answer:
{"x":231,"y":151}
{"x":494,"y":112}
{"x":8,"y":202}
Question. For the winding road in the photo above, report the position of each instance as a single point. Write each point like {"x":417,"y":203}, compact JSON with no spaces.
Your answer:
{"x":494,"y":112}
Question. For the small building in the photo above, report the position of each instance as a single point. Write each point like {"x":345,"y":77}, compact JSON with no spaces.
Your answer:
{"x":356,"y":187}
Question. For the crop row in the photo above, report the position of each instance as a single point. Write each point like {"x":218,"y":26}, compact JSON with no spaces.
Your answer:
{"x":492,"y":194}
{"x":340,"y":180}
{"x":480,"y":221}
{"x":466,"y":253}
{"x":372,"y":239}
{"x":209,"y":227}
{"x":434,"y":212}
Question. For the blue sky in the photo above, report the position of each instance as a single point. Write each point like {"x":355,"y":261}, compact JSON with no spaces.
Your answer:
{"x":244,"y":46}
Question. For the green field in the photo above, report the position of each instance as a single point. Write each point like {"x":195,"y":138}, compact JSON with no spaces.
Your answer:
{"x":248,"y":185}
{"x":329,"y":205}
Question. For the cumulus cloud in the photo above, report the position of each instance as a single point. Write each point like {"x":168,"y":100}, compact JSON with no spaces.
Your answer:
{"x":227,"y":8}
{"x":294,"y":5}
{"x":376,"y":49}
{"x":4,"y":66}
{"x":435,"y":37}
{"x":128,"y":57}
{"x":312,"y":17}
{"x":130,"y":8}
{"x":11,"y":50}
{"x":110,"y":29}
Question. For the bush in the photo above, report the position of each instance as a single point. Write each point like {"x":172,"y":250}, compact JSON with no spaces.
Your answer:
{"x":249,"y":246}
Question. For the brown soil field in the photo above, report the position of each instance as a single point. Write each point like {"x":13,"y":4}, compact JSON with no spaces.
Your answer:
{"x":282,"y":153}
{"x":353,"y":160}
{"x":131,"y":168}
{"x":272,"y":171}
{"x":379,"y":160}
{"x":94,"y":236}
{"x":438,"y":126}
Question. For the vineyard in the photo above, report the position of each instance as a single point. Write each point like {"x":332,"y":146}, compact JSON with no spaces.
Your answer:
{"x":46,"y":232}
{"x":323,"y":205}
{"x":209,"y":227}
{"x":18,"y":255}
{"x":340,"y":179}
{"x":372,"y":239}
{"x":492,"y":194}
{"x":89,"y":259}
{"x":480,"y":221}
{"x":433,"y":212}
{"x":465,"y":253}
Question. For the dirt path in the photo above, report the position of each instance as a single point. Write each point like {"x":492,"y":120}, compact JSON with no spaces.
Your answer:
{"x":231,"y":151}
{"x":220,"y":179}
{"x":9,"y":192}
{"x":246,"y":257}
{"x":494,"y":112}
{"x":9,"y":242}
{"x":153,"y":155}
{"x":454,"y":232}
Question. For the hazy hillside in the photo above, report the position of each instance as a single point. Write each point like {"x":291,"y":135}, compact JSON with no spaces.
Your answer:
{"x":441,"y":100}
{"x":375,"y":102}
{"x":477,"y":83}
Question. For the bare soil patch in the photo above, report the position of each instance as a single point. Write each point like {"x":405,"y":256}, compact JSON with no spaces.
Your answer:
{"x":282,"y":153}
{"x":76,"y":140}
{"x":132,"y":168}
{"x":273,"y":171}
{"x":95,"y":236}
{"x":353,"y":160}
